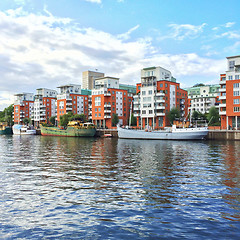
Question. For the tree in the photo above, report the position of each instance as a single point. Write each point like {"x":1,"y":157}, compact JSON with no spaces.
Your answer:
{"x":173,"y":114}
{"x":195,"y":115}
{"x":64,"y":119}
{"x":52,"y":120}
{"x":26,"y":121}
{"x":213,"y":117}
{"x":115,"y":120}
{"x":7,"y":115}
{"x":133,"y":121}
{"x":79,"y":117}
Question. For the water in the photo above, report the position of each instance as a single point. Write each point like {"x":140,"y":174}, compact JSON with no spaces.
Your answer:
{"x":76,"y":188}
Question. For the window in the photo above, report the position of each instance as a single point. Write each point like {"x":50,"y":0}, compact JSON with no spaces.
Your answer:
{"x":143,"y":92}
{"x":99,"y":114}
{"x":236,"y":77}
{"x":236,"y":85}
{"x":166,"y":85}
{"x":235,"y":93}
{"x":150,"y":111}
{"x":150,"y":92}
{"x":143,"y":111}
{"x":95,"y":109}
{"x":161,"y":85}
{"x":231,"y":65}
{"x":236,"y":109}
{"x":97,"y":101}
{"x":235,"y":101}
{"x":230,"y":77}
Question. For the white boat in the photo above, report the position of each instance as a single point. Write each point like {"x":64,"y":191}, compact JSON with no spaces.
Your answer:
{"x":19,"y":129}
{"x":172,"y":133}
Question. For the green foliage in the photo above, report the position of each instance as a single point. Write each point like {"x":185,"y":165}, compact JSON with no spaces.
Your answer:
{"x":26,"y":121}
{"x":115,"y":120}
{"x":7,"y":115}
{"x":133,"y":121}
{"x":64,"y":119}
{"x":213,"y":117}
{"x":78,"y":117}
{"x":195,"y":115}
{"x":173,"y":114}
{"x":199,"y":85}
{"x":52,"y":120}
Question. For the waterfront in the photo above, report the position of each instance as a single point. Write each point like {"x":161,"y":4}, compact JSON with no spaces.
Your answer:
{"x":103,"y":188}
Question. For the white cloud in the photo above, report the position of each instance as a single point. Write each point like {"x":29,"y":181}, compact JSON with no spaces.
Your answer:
{"x":46,"y":51}
{"x":229,"y":24}
{"x":94,"y":1}
{"x":183,"y":31}
{"x":126,"y":35}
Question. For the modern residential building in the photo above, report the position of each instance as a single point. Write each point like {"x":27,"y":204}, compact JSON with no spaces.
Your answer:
{"x":202,"y":98}
{"x":23,"y":106}
{"x":88,"y":79}
{"x":230,"y":95}
{"x":109,"y":99}
{"x":44,"y":105}
{"x":156,"y":95}
{"x":72,"y":99}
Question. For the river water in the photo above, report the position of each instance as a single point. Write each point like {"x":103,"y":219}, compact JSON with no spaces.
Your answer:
{"x":81,"y":188}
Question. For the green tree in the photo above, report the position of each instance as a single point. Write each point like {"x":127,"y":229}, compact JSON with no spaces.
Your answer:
{"x":52,"y":120}
{"x":213,"y":117}
{"x":26,"y":121}
{"x":133,"y":121}
{"x":79,"y":117}
{"x":7,"y":115}
{"x":173,"y":114}
{"x":195,"y":115}
{"x":115,"y":120}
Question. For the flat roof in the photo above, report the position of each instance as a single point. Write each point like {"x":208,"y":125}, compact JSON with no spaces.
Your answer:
{"x":233,"y":56}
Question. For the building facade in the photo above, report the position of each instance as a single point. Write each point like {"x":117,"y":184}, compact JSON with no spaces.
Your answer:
{"x":230,"y":95}
{"x":202,"y":98}
{"x":156,"y":95}
{"x":108,"y":99}
{"x":72,"y":99}
{"x":88,"y":79}
{"x":23,"y":107}
{"x":44,"y":106}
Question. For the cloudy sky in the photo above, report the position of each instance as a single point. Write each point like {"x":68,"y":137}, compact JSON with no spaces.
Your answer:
{"x":47,"y":43}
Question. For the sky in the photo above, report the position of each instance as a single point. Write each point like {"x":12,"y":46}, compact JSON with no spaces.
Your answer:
{"x":47,"y":43}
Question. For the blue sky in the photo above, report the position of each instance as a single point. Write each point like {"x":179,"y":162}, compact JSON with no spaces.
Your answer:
{"x":47,"y":43}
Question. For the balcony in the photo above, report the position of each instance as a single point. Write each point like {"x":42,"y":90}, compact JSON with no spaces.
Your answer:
{"x":159,"y":94}
{"x":222,"y":97}
{"x":107,"y":110}
{"x":222,"y":105}
{"x":160,"y":114}
{"x":222,"y":82}
{"x":222,"y":113}
{"x":222,"y":89}
{"x":107,"y":105}
{"x":160,"y":107}
{"x":107,"y":116}
{"x":160,"y":100}
{"x":68,"y":109}
{"x":107,"y":94}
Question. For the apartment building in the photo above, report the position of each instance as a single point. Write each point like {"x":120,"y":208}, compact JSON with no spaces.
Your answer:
{"x":72,"y":99}
{"x":44,"y":105}
{"x":202,"y":98}
{"x":156,"y":95}
{"x":88,"y":79}
{"x":23,"y":106}
{"x":230,"y":94}
{"x":109,"y":99}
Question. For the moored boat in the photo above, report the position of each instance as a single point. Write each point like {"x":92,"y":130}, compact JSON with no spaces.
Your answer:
{"x":172,"y":133}
{"x":5,"y":129}
{"x":19,"y":129}
{"x":74,"y":129}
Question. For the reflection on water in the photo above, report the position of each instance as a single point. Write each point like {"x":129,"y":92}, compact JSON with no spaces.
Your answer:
{"x":87,"y":188}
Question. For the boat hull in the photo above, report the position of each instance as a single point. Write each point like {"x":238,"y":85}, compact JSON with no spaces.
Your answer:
{"x":178,"y":134}
{"x":6,"y":131}
{"x":22,"y":130}
{"x":69,"y":132}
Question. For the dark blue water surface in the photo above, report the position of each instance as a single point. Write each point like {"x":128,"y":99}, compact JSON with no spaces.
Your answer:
{"x":77,"y":188}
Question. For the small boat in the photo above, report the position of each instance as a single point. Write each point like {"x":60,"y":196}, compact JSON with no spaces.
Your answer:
{"x":19,"y":129}
{"x":74,"y":129}
{"x":5,"y":129}
{"x":172,"y":133}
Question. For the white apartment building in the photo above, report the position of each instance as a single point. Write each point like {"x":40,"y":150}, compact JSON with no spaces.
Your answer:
{"x":202,"y":98}
{"x":44,"y":105}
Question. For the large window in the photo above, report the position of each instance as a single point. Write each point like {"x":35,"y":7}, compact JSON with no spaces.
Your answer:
{"x":236,"y":101}
{"x":235,"y":93}
{"x":231,"y":65}
{"x":236,"y":85}
{"x":97,"y":101}
{"x":236,"y":109}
